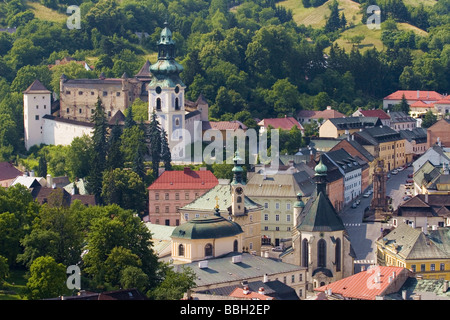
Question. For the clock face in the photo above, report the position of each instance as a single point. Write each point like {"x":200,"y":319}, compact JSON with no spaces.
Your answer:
{"x":239,"y":190}
{"x":158,"y":90}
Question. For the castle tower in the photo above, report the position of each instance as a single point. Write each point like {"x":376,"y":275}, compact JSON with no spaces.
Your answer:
{"x":36,"y":104}
{"x":166,"y":93}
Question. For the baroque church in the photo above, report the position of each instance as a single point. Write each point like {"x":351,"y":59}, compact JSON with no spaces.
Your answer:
{"x":320,"y":241}
{"x":159,"y":84}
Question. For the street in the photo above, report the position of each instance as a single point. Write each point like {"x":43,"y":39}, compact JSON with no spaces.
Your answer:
{"x":363,"y":234}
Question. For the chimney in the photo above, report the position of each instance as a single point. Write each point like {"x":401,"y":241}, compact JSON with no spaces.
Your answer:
{"x":445,"y":288}
{"x":49,"y":180}
{"x":261,"y":290}
{"x":266,"y":278}
{"x":426,"y":197}
{"x":246,"y":290}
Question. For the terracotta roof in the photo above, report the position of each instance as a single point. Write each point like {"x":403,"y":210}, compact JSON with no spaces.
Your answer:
{"x":8,"y":171}
{"x":362,"y":285}
{"x":446,"y":100}
{"x":185,"y":180}
{"x":285,"y":123}
{"x":306,"y":113}
{"x":375,"y":113}
{"x":37,"y":87}
{"x":421,"y":104}
{"x":414,"y":95}
{"x":224,"y":125}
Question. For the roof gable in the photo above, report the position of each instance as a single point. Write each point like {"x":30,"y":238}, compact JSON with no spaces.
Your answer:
{"x":184,"y":180}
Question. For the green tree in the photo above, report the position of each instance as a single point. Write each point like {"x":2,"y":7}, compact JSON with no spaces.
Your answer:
{"x":118,"y":260}
{"x":175,"y":284}
{"x":98,"y":159}
{"x":114,"y":155}
{"x":124,"y":188}
{"x":166,"y":155}
{"x":154,"y":138}
{"x":47,"y":279}
{"x":4,"y":270}
{"x":429,"y":119}
{"x":79,"y":155}
{"x":333,"y":22}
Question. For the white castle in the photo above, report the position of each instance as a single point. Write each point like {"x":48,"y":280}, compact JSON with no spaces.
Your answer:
{"x":59,"y":122}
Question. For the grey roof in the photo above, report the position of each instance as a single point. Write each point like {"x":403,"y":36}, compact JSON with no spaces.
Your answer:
{"x":71,"y":121}
{"x":280,"y":185}
{"x":36,"y":87}
{"x":400,"y":116}
{"x":413,"y":244}
{"x":355,"y":122}
{"x":355,"y":144}
{"x":417,"y":134}
{"x":428,"y":289}
{"x":377,"y":135}
{"x":223,"y":270}
{"x":343,"y":160}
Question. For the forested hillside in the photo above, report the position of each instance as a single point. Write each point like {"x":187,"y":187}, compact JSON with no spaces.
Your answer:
{"x":248,"y":58}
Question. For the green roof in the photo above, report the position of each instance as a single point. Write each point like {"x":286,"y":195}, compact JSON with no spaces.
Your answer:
{"x":321,"y":216}
{"x":207,"y":201}
{"x":212,"y":227}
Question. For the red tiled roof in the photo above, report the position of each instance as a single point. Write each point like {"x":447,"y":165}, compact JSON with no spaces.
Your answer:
{"x":185,"y":180}
{"x":328,"y":114}
{"x":239,"y":293}
{"x":362,"y":285}
{"x":375,"y":113}
{"x":8,"y":171}
{"x":285,"y":123}
{"x":224,"y":125}
{"x":446,"y":100}
{"x":415,"y":95}
{"x":421,"y":104}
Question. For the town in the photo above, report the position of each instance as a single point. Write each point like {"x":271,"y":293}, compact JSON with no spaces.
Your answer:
{"x":150,"y":183}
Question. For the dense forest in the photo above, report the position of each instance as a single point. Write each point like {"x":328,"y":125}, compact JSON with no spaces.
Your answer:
{"x":249,"y":58}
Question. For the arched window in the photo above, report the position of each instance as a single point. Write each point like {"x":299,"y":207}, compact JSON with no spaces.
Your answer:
{"x":235,"y":246}
{"x":337,"y":253}
{"x":321,"y":253}
{"x":305,"y":253}
{"x":181,"y":250}
{"x":239,"y":199}
{"x":158,"y":104}
{"x":177,"y":104}
{"x":208,"y":250}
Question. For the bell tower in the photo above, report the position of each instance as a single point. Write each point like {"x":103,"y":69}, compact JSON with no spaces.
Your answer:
{"x":237,"y":191}
{"x":166,"y":93}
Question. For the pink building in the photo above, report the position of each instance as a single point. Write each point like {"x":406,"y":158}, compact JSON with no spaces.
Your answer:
{"x":175,"y":189}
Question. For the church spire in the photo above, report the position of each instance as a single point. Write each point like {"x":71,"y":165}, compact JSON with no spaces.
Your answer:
{"x":321,"y":177}
{"x":237,"y":170}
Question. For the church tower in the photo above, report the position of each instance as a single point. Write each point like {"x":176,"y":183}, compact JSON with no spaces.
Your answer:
{"x":36,"y":104}
{"x":320,"y":241}
{"x":166,"y":93}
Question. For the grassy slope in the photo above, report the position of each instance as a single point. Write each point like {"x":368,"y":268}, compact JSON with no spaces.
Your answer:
{"x":316,"y":17}
{"x":43,"y":13}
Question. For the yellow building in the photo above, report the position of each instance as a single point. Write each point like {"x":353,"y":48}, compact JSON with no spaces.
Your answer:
{"x":335,"y":127}
{"x":384,"y":143}
{"x":425,"y":254}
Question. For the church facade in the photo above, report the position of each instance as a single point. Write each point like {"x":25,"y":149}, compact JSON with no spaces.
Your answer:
{"x":158,"y":84}
{"x":320,"y":241}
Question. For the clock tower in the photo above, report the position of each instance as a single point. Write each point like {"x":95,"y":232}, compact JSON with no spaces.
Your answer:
{"x":166,"y":93}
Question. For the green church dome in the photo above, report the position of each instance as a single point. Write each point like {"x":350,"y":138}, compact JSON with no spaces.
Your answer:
{"x":212,"y":227}
{"x":321,"y":169}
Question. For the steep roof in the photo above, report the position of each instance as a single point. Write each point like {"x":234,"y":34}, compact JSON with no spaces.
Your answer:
{"x":223,"y":125}
{"x":8,"y":171}
{"x":362,"y":285}
{"x":328,"y":114}
{"x":355,"y":122}
{"x":144,"y":72}
{"x":321,"y":216}
{"x":37,"y":87}
{"x":400,"y":116}
{"x":184,"y":180}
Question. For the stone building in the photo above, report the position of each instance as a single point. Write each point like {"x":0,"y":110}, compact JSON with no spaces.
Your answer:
{"x":320,"y":240}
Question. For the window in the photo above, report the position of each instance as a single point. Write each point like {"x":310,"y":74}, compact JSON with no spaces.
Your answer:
{"x":300,"y":277}
{"x":288,"y":206}
{"x":80,"y":110}
{"x":117,"y":94}
{"x":67,"y":92}
{"x":80,"y":93}
{"x":36,"y":117}
{"x":266,"y":217}
{"x":277,"y":205}
{"x":208,"y":250}
{"x":305,"y":253}
{"x":433,"y":267}
{"x":293,"y":278}
{"x":166,"y":196}
{"x":337,"y":254}
{"x":67,"y":110}
{"x":181,"y":250}
{"x":266,"y":228}
{"x":422,"y":267}
{"x":177,"y":196}
{"x":235,"y":246}
{"x":277,"y":217}
{"x":158,"y":104}
{"x":156,"y":196}
{"x":157,"y":209}
{"x":321,"y":253}
{"x":186,"y":216}
{"x":105,"y":93}
{"x":37,"y":107}
{"x":177,"y":122}
{"x":288,"y":218}
{"x":186,"y":196}
{"x":197,"y":215}
{"x":177,"y":104}
{"x":266,"y":205}
{"x":166,"y":209}
{"x":167,"y":222}
{"x":442,"y":267}
{"x":92,"y":93}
